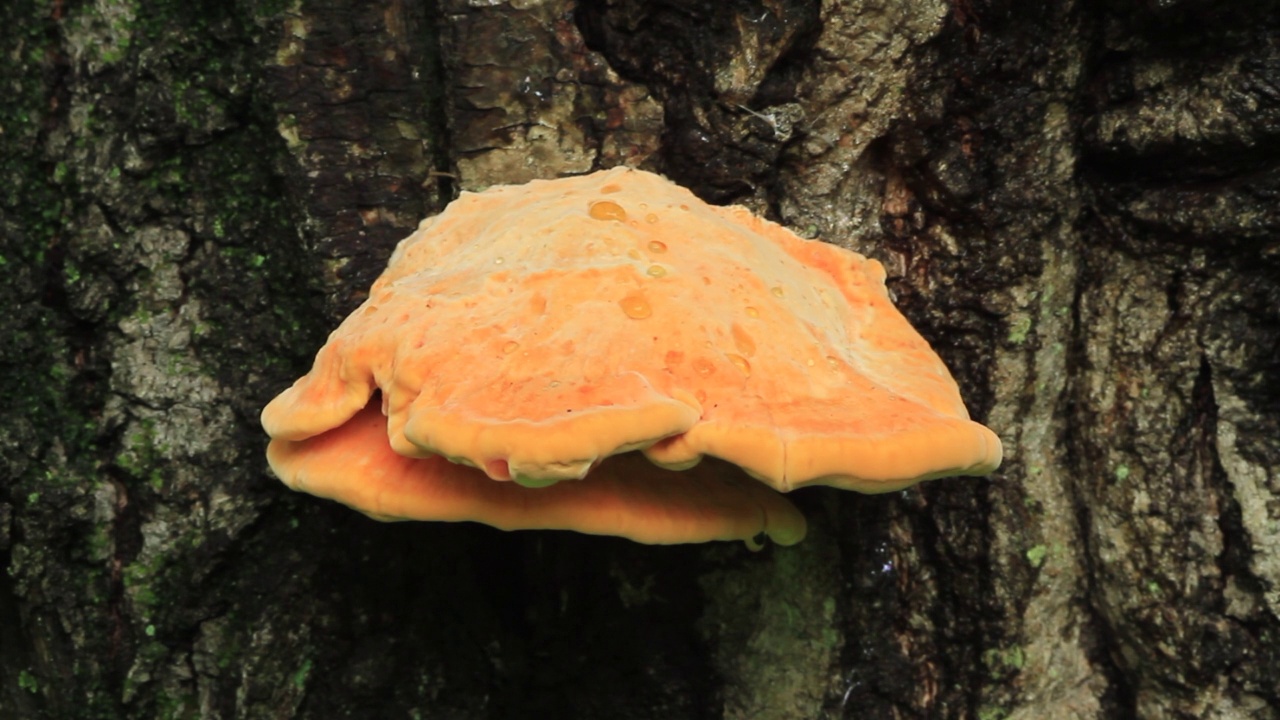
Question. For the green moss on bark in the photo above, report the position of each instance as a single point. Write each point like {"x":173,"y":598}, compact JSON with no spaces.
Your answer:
{"x":143,"y":228}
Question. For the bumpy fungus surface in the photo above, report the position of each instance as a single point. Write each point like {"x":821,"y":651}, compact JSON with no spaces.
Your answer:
{"x":531,"y":332}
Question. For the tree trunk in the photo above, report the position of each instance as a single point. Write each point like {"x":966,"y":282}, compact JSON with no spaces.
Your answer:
{"x":1078,"y":203}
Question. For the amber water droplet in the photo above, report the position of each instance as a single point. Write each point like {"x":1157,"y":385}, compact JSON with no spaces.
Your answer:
{"x":610,"y":189}
{"x":834,"y":363}
{"x":777,"y":291}
{"x":657,"y":246}
{"x":635,"y":306}
{"x":607,"y":210}
{"x":741,"y":362}
{"x":743,"y":341}
{"x":704,"y":367}
{"x":752,"y":312}
{"x":634,"y":254}
{"x":511,"y":347}
{"x":656,"y":271}
{"x":553,"y":384}
{"x":498,"y":261}
{"x":651,"y":218}
{"x":701,"y":396}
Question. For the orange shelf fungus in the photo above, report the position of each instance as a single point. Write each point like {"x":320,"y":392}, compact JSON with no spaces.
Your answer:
{"x":557,"y":333}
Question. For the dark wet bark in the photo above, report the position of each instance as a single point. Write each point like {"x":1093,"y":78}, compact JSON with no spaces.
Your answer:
{"x":1078,"y":203}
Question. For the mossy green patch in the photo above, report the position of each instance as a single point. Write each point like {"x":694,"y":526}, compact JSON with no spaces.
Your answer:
{"x":301,"y":675}
{"x":142,"y":457}
{"x":28,"y":682}
{"x":992,"y":712}
{"x":1004,"y":662}
{"x":1019,"y":329}
{"x":1036,"y":555}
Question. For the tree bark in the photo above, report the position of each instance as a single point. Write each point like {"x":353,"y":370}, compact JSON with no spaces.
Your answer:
{"x":1077,"y":203}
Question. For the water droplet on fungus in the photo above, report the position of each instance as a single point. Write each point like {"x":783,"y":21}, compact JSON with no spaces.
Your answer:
{"x":743,"y":341}
{"x":740,"y":362}
{"x":704,"y":367}
{"x":635,"y":306}
{"x":511,"y":347}
{"x":607,"y":210}
{"x":657,"y":246}
{"x":656,"y":271}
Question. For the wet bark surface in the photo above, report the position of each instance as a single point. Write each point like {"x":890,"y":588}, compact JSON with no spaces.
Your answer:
{"x":1077,"y":203}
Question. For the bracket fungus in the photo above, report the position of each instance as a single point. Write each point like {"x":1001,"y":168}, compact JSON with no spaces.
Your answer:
{"x":563,"y":354}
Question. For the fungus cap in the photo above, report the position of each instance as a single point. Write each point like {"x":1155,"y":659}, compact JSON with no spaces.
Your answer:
{"x":532,"y":331}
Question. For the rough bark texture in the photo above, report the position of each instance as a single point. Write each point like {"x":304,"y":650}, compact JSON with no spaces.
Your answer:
{"x":1078,"y":202}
